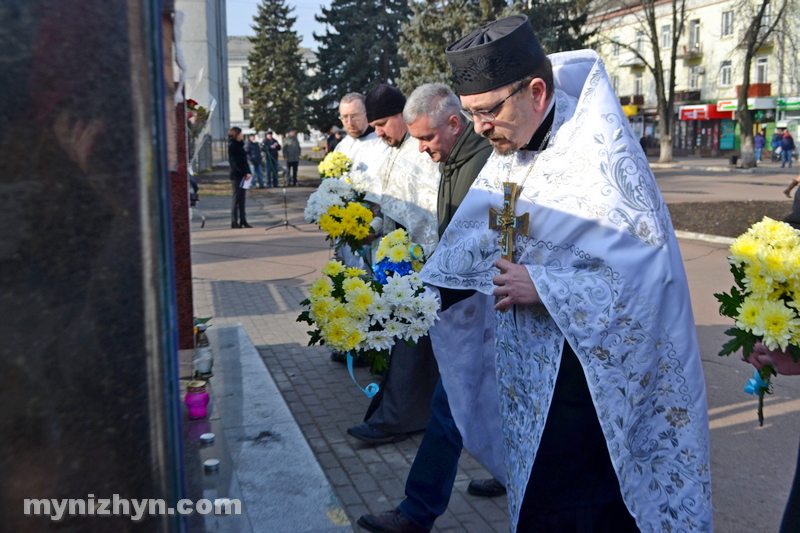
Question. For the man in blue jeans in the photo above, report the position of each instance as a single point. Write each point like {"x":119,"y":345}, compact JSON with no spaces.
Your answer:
{"x":254,"y":158}
{"x":434,"y":119}
{"x":787,"y":147}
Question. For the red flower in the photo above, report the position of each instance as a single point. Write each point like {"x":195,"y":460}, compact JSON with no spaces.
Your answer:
{"x":191,"y":104}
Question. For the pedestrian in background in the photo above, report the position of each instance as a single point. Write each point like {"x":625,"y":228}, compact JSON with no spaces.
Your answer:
{"x":759,"y":142}
{"x":254,"y":157}
{"x":271,"y":148}
{"x":333,"y":139}
{"x":291,"y":153}
{"x":787,"y":147}
{"x":776,"y":143}
{"x":240,"y":171}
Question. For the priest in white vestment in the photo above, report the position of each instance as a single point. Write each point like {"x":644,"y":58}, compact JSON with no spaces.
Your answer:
{"x":601,"y":391}
{"x":409,"y":188}
{"x":361,"y":145}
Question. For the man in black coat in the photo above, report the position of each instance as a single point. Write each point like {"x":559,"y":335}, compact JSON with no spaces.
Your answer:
{"x":434,"y":120}
{"x":254,"y":158}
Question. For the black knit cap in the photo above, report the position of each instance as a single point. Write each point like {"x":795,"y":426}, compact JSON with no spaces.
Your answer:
{"x":384,"y":101}
{"x":494,"y":55}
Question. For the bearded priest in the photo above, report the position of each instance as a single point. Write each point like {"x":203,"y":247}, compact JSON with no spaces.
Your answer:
{"x":602,"y":401}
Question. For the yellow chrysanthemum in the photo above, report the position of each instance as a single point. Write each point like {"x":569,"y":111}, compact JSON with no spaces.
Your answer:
{"x":397,"y":237}
{"x":756,"y":283}
{"x":748,"y":313}
{"x":745,"y":249}
{"x":342,"y":334}
{"x":398,"y":254}
{"x":773,"y":262}
{"x":333,"y":268}
{"x":334,"y":165}
{"x":358,"y":300}
{"x":775,"y":323}
{"x":331,"y":226}
{"x":320,"y":287}
{"x":352,"y":272}
{"x":338,"y":311}
{"x":322,"y":308}
{"x":354,"y":283}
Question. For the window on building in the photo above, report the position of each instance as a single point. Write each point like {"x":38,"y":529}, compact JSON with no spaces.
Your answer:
{"x":615,"y":47}
{"x":694,"y":34}
{"x":727,"y":24}
{"x":694,"y":77}
{"x":245,"y":72}
{"x":638,"y":84}
{"x":762,"y":71}
{"x":246,"y":113}
{"x":640,"y":41}
{"x":766,"y":19}
{"x":666,"y":36}
{"x":615,"y":84}
{"x":725,"y":74}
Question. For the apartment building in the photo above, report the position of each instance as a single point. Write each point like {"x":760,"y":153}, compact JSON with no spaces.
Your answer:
{"x":708,"y":72}
{"x":239,"y":48}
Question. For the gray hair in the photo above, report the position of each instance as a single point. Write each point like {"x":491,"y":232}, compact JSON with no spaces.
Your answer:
{"x":433,"y":100}
{"x":350,"y":97}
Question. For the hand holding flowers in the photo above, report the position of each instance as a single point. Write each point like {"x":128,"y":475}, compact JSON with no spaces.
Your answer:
{"x":765,"y":262}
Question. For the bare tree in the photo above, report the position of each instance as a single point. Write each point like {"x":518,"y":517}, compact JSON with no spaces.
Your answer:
{"x":646,"y":14}
{"x":762,"y":26}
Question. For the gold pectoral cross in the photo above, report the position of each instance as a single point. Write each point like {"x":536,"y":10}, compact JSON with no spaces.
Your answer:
{"x":506,"y":222}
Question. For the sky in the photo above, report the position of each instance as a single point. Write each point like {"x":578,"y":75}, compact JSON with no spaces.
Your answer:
{"x":240,"y":17}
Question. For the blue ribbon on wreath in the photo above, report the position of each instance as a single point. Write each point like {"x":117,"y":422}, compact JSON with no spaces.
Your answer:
{"x":371,"y":390}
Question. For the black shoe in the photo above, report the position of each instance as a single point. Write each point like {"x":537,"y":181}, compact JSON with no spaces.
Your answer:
{"x":372,"y":435}
{"x":246,"y":225}
{"x":235,"y":225}
{"x":341,"y":357}
{"x":486,"y":488}
{"x":389,"y":522}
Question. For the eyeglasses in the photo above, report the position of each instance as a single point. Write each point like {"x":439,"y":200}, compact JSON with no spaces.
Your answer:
{"x":489,"y":115}
{"x":350,"y":118}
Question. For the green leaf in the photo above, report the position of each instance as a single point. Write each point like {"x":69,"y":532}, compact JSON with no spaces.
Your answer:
{"x":198,"y":320}
{"x":743,"y":340}
{"x":729,"y":303}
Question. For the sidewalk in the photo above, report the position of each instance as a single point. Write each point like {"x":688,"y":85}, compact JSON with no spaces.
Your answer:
{"x":257,"y":278}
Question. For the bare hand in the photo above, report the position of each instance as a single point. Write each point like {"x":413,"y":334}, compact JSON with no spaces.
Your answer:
{"x":514,"y":286}
{"x":366,"y":241}
{"x":778,"y":359}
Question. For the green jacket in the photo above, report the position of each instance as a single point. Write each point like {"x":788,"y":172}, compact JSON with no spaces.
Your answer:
{"x":462,"y":166}
{"x":291,"y":149}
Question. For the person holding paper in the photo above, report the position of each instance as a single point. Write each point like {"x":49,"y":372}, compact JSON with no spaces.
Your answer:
{"x":240,"y":177}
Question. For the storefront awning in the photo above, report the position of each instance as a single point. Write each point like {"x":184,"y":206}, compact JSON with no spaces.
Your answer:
{"x":752,"y":103}
{"x":630,"y":110}
{"x":789,"y":102}
{"x":702,"y":112}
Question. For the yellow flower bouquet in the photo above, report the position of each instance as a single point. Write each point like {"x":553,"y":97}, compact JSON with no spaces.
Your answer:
{"x":765,"y":262}
{"x":334,"y":165}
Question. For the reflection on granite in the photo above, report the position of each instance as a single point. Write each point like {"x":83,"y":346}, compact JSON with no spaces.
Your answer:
{"x":88,"y":391}
{"x":264,"y":458}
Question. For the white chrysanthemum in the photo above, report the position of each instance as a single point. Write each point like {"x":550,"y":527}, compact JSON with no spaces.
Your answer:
{"x":415,"y":330}
{"x":398,"y":294}
{"x":414,"y":280}
{"x":405,"y":312}
{"x":427,"y":304}
{"x":379,"y":340}
{"x":394,"y":328}
{"x":379,"y":311}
